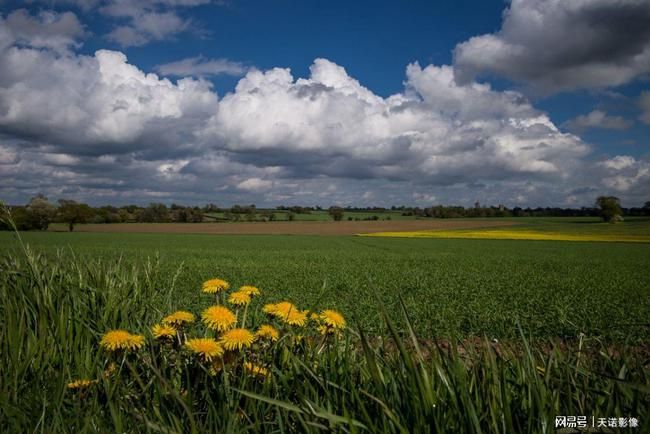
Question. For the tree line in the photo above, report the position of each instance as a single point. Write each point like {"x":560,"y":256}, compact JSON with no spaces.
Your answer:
{"x":39,"y":212}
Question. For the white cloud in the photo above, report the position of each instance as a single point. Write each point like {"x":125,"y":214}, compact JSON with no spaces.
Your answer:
{"x":619,"y":162}
{"x":255,"y":184}
{"x":597,"y":119}
{"x":625,"y":174}
{"x":435,"y":132}
{"x":149,"y":26}
{"x":200,"y":66}
{"x":97,"y":104}
{"x":557,"y":45}
{"x":98,"y":126}
{"x":48,"y":29}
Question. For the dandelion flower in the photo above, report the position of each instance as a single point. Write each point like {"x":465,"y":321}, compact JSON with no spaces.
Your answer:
{"x":266,"y":331}
{"x":213,"y":286}
{"x":281,"y":309}
{"x":296,"y":318}
{"x":115,"y":340}
{"x":179,"y":318}
{"x":236,"y":339}
{"x":163,"y":331}
{"x":207,"y":348}
{"x":81,"y":384}
{"x":218,"y":318}
{"x":250,"y":290}
{"x":239,"y":298}
{"x":256,"y":370}
{"x":327,"y":330}
{"x":269,"y":308}
{"x":332,"y":318}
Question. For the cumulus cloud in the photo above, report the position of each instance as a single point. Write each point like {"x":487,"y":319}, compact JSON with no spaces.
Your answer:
{"x":108,"y":104}
{"x":557,"y":45}
{"x":597,"y":119}
{"x":48,"y":29}
{"x":97,"y":127}
{"x":434,"y":132}
{"x":626,"y":174}
{"x":200,"y":66}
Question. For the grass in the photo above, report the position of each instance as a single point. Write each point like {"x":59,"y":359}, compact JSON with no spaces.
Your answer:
{"x":450,"y":286}
{"x":444,"y":335}
{"x":56,"y":307}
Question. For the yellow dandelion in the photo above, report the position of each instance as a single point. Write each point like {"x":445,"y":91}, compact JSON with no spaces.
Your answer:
{"x":206,"y":348}
{"x":333,"y":319}
{"x":218,"y":318}
{"x":163,"y":331}
{"x":236,"y":339}
{"x":269,"y":308}
{"x":266,"y":331}
{"x":81,"y":384}
{"x":213,"y":286}
{"x":327,"y":330}
{"x":239,"y":298}
{"x":296,"y":318}
{"x":115,"y":340}
{"x":178,"y":318}
{"x":280,"y":310}
{"x":256,"y":370}
{"x":250,"y":290}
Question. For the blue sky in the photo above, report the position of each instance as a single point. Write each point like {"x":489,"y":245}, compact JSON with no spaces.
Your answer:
{"x":530,"y":102}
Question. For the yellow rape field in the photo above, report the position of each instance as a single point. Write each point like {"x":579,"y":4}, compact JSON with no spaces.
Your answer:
{"x":514,"y":235}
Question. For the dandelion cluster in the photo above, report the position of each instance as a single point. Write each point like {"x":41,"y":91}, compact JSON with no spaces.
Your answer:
{"x":224,"y":344}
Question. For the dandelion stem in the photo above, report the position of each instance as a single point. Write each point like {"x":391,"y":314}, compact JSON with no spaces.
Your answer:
{"x":243,"y":321}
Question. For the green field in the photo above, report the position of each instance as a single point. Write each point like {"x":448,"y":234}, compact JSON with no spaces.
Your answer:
{"x":442,"y":335}
{"x":467,"y":287}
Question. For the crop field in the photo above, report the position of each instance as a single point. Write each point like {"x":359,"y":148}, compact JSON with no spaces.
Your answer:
{"x":438,"y":335}
{"x":285,"y":227}
{"x":449,"y":285}
{"x":636,"y":230}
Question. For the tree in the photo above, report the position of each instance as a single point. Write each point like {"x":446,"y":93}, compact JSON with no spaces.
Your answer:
{"x":336,"y":212}
{"x":72,"y":212}
{"x":646,"y":208}
{"x":610,"y":208}
{"x":39,"y":213}
{"x":154,"y":213}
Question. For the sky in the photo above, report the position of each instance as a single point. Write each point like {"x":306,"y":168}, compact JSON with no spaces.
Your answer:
{"x":364,"y":103}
